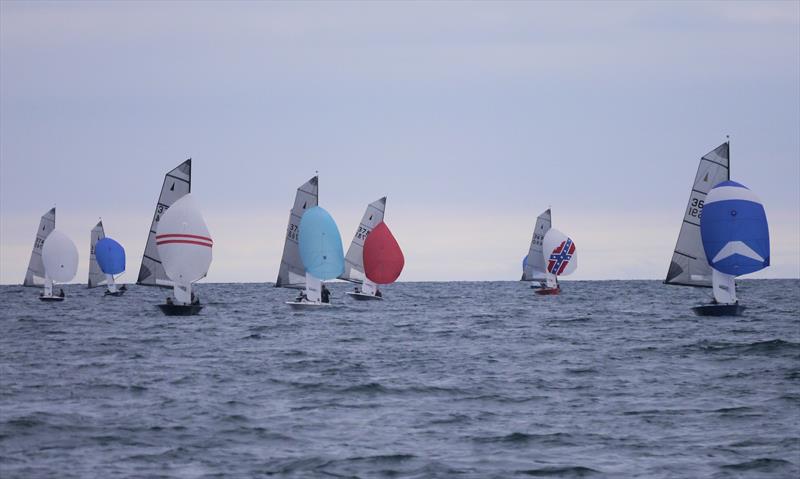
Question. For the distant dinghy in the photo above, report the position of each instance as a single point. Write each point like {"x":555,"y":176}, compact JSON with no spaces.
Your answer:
{"x":560,"y":258}
{"x":60,"y":259}
{"x":320,"y":247}
{"x":383,"y":258}
{"x":533,"y":265}
{"x":354,"y":259}
{"x":735,"y":237}
{"x":177,"y":183}
{"x":184,"y":247}
{"x":35,"y":275}
{"x":106,"y":259}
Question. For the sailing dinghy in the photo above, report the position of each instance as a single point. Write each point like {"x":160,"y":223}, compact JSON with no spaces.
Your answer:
{"x":60,"y":259}
{"x":184,"y":247}
{"x":354,"y":259}
{"x":35,"y":276}
{"x":292,"y":273}
{"x":735,"y":237}
{"x":106,"y":258}
{"x":177,"y":183}
{"x":560,"y":257}
{"x":533,"y":265}
{"x":690,"y":265}
{"x":320,"y":247}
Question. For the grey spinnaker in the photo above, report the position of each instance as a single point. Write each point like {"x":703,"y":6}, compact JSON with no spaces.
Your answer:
{"x":534,"y":267}
{"x":177,"y":183}
{"x":35,"y":274}
{"x":354,"y":259}
{"x":689,"y":266}
{"x":96,"y":275}
{"x":292,"y":273}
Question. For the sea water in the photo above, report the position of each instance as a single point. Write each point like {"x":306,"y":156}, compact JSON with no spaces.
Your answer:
{"x":483,"y":379}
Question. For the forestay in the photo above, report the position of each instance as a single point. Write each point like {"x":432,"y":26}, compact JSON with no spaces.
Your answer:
{"x":354,"y":260}
{"x":689,"y":266}
{"x":35,"y":274}
{"x":96,"y":275}
{"x":292,"y":274}
{"x":177,"y":183}
{"x":534,"y":267}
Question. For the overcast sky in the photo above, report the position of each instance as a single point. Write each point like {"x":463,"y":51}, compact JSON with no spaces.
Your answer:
{"x":472,"y":118}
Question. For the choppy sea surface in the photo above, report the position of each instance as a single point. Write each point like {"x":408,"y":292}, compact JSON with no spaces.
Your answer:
{"x":609,"y":379}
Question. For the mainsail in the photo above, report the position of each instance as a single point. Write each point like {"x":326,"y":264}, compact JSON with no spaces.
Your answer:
{"x":292,"y":274}
{"x":689,"y":266}
{"x":96,"y":275}
{"x":177,"y":183}
{"x":534,"y":267}
{"x":354,"y":260}
{"x":35,"y":274}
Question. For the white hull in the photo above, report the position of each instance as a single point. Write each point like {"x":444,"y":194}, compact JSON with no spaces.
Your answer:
{"x":308,"y":305}
{"x":363,"y":296}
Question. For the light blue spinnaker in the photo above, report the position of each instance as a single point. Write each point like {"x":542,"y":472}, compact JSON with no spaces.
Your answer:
{"x":110,"y":256}
{"x":734,"y":230}
{"x":320,"y":244}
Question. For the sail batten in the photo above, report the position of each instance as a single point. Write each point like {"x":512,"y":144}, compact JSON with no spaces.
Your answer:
{"x":96,"y":275}
{"x":35,"y":275}
{"x":292,"y":273}
{"x":177,"y":183}
{"x":354,"y":259}
{"x":689,"y":266}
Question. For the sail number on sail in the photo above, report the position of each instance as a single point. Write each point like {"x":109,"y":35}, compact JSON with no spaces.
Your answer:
{"x":362,"y":233}
{"x":696,"y":208}
{"x":291,"y":232}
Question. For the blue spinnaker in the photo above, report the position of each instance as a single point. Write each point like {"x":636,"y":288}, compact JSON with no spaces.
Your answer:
{"x":110,"y":256}
{"x":320,"y":244}
{"x":734,"y":229}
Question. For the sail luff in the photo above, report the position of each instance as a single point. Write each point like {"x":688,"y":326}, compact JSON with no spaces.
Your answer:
{"x":96,"y":275}
{"x":35,"y":275}
{"x":354,"y":259}
{"x":689,"y":266}
{"x":535,"y":268}
{"x":291,"y":273}
{"x":177,"y":183}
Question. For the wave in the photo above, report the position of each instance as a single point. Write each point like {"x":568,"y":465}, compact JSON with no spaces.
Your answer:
{"x":566,"y":471}
{"x":762,"y":464}
{"x":756,"y":347}
{"x":556,"y":438}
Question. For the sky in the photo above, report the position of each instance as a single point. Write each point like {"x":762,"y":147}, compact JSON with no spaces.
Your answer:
{"x":471,"y":117}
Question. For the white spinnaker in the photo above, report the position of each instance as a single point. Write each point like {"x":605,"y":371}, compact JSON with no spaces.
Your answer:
{"x":552,"y":240}
{"x":354,"y":259}
{"x":292,"y":273}
{"x":96,"y":275}
{"x":184,"y":243}
{"x":60,"y":257}
{"x":535,"y":268}
{"x":689,"y":266}
{"x":177,"y":183}
{"x":35,"y":274}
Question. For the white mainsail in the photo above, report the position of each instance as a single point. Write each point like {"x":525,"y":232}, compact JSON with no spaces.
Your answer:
{"x":35,"y":275}
{"x":177,"y":183}
{"x":689,"y":266}
{"x":535,"y":268}
{"x":292,"y":273}
{"x":354,"y":260}
{"x":96,"y":275}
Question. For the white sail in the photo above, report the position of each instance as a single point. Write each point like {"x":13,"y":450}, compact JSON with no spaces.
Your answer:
{"x":559,"y":254}
{"x":689,"y":266}
{"x":724,"y":287}
{"x":535,"y":267}
{"x":177,"y":183}
{"x":292,"y":273}
{"x":184,"y":246}
{"x":35,"y":274}
{"x":354,"y":259}
{"x":96,"y":275}
{"x":60,"y":257}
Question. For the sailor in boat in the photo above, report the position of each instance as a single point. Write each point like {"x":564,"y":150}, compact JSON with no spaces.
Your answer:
{"x":61,"y":292}
{"x":301,"y":297}
{"x":169,"y":300}
{"x":325,"y":294}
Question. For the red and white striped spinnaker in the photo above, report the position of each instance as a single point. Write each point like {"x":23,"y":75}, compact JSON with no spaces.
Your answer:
{"x":184,"y":246}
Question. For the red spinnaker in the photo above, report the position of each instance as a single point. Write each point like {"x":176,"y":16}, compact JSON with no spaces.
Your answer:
{"x":383,"y":259}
